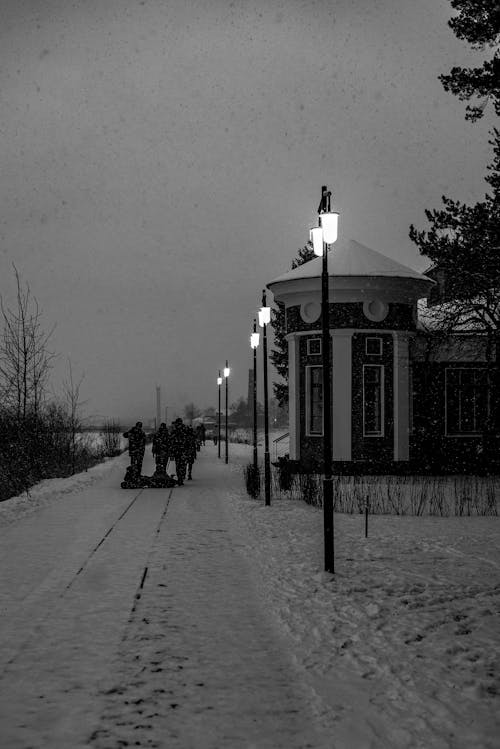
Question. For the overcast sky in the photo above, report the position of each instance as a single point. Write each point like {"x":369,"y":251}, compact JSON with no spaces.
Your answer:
{"x":162,"y":161}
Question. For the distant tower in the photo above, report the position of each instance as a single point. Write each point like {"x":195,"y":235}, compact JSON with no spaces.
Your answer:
{"x":158,"y":406}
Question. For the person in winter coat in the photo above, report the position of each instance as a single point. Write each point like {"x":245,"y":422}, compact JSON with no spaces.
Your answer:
{"x":191,"y":450}
{"x":160,"y":447}
{"x":178,"y":449}
{"x":197,"y":437}
{"x":136,"y":446}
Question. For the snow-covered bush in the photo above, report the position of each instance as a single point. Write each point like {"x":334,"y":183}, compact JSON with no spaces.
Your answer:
{"x":39,"y":446}
{"x":252,"y":480}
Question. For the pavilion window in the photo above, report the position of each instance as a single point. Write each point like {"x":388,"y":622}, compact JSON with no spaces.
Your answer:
{"x":314,"y":400}
{"x":466,"y":400}
{"x":373,"y":400}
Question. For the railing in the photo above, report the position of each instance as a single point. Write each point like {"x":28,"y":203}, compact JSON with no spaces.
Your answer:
{"x":280,"y":447}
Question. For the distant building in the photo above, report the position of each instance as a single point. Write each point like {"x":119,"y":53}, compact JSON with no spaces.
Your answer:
{"x":400,"y":400}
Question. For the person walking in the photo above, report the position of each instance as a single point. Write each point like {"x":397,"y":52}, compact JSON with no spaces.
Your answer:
{"x":197,"y":437}
{"x":136,"y":447}
{"x":160,"y":448}
{"x":178,"y":449}
{"x":191,"y":450}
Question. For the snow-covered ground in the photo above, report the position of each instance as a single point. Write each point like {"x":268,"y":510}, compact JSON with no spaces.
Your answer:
{"x":409,"y":626}
{"x":399,"y":649}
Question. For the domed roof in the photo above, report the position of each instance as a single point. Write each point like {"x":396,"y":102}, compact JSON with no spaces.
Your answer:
{"x":351,"y":258}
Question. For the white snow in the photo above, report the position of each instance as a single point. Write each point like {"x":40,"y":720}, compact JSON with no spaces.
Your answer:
{"x":236,"y":637}
{"x":49,"y":490}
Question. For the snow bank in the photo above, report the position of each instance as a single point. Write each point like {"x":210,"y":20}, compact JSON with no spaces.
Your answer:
{"x":51,"y":490}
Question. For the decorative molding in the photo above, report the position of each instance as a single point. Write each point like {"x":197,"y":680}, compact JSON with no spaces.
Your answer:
{"x":294,"y":398}
{"x":380,"y":432}
{"x":401,"y":399}
{"x":310,"y":311}
{"x":375,"y":310}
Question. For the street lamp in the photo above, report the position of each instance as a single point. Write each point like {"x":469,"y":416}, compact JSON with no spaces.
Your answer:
{"x":264,"y":320}
{"x":226,"y":377}
{"x":322,"y":236}
{"x":254,"y":342}
{"x":219,"y":383}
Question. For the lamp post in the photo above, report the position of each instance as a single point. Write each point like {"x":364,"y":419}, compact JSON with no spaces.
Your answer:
{"x":264,"y":320}
{"x":226,"y":377}
{"x":219,"y":383}
{"x":254,"y":342}
{"x":323,"y":236}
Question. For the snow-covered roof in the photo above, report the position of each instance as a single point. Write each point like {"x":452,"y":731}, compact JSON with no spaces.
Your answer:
{"x":433,"y":317}
{"x":351,"y":258}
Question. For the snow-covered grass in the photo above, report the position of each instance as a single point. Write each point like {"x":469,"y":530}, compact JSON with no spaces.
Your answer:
{"x":99,"y":440}
{"x":404,"y":640}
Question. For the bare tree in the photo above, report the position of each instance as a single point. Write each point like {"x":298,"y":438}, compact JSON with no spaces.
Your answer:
{"x":71,"y":391}
{"x":111,"y":435}
{"x":25,"y":360}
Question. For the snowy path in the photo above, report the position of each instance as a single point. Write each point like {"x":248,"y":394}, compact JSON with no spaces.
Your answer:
{"x":197,"y":617}
{"x":201,"y":666}
{"x":69,"y":575}
{"x":129,"y":618}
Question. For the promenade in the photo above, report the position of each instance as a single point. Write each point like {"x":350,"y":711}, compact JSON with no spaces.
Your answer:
{"x":129,"y":618}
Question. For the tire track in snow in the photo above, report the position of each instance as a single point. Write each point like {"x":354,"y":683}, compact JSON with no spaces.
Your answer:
{"x":103,"y":539}
{"x":85,"y":564}
{"x":138,"y":593}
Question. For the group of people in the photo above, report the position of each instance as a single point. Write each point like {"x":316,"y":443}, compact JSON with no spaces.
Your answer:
{"x":179,"y":443}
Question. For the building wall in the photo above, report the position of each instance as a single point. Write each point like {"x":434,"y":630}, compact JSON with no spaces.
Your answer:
{"x":363,"y":448}
{"x":414,"y":436}
{"x":372,"y":448}
{"x":431,"y":445}
{"x":311,"y":448}
{"x":351,"y":315}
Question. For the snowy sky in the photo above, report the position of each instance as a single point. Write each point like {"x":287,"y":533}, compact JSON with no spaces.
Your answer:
{"x":162,"y":161}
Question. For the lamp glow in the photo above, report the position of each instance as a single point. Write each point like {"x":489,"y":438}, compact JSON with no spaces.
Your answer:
{"x":226,"y":371}
{"x":330,"y":225}
{"x":254,"y":340}
{"x":264,"y":316}
{"x":219,"y":380}
{"x":316,"y":237}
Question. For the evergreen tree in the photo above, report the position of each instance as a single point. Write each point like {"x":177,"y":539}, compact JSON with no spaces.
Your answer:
{"x":279,"y":355}
{"x":463,"y":241}
{"x":477,"y":22}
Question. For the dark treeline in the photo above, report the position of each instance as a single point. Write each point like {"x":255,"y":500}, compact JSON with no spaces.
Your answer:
{"x":39,"y":437}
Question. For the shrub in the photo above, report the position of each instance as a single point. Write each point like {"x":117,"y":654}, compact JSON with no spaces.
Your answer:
{"x":39,"y":446}
{"x":111,"y":438}
{"x":285,"y":475}
{"x":309,"y":486}
{"x":252,"y":480}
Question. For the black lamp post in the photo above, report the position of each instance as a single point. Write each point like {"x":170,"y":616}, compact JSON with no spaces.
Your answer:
{"x":264,"y":320}
{"x":226,"y":377}
{"x":254,"y":342}
{"x":322,"y":236}
{"x":219,"y":383}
